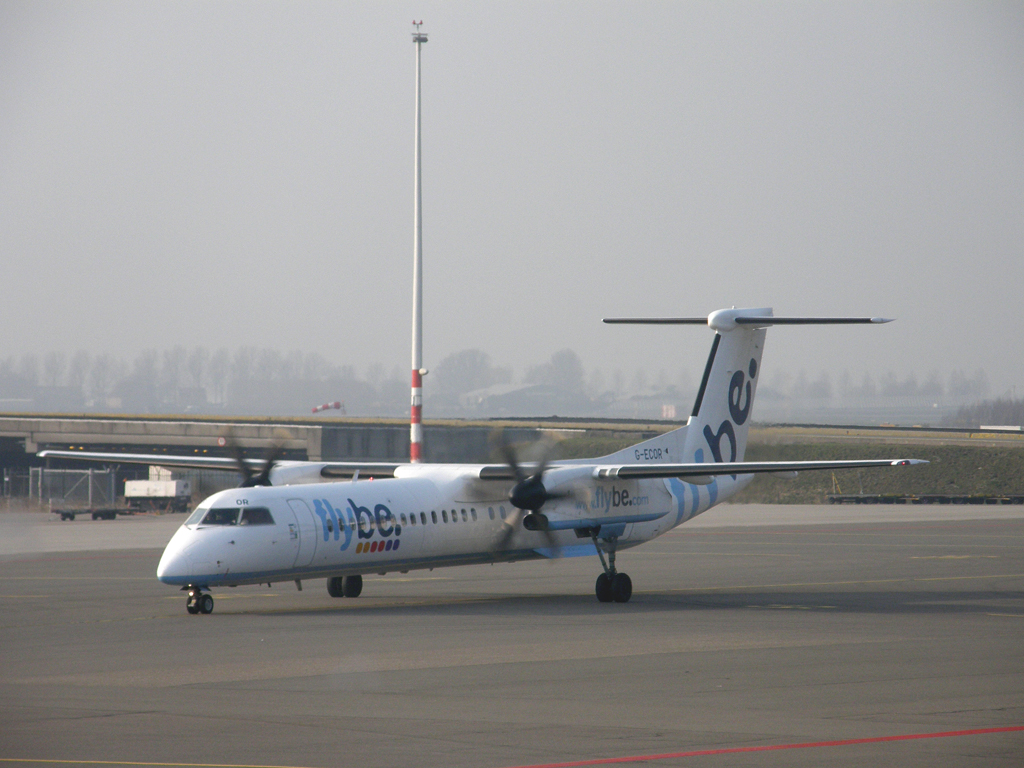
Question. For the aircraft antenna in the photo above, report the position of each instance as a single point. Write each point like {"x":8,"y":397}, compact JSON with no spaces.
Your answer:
{"x":416,"y":411}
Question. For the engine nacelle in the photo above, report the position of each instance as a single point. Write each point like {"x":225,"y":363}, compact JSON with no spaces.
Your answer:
{"x":535,"y":521}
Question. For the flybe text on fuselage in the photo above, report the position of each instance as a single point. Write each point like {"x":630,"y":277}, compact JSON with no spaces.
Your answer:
{"x":605,"y":499}
{"x":366,"y":524}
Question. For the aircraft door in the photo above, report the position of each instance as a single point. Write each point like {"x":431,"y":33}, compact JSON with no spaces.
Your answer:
{"x":307,"y":532}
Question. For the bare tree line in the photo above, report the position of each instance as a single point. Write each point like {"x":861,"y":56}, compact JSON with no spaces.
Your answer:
{"x":251,"y":380}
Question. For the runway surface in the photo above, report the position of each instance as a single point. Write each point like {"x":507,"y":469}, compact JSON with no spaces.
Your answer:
{"x":757,"y":636}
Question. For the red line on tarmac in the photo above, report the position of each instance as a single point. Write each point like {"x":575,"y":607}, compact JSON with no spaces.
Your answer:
{"x":18,"y":559}
{"x":773,"y":747}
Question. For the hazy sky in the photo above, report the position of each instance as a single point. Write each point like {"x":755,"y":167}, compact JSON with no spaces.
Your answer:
{"x":228,"y":173}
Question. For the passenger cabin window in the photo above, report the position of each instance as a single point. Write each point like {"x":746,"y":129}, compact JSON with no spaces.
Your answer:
{"x":221,"y":517}
{"x":465,"y":517}
{"x":402,"y":518}
{"x":472,"y":512}
{"x":490,"y":512}
{"x":433,"y":516}
{"x":444,"y":515}
{"x":256,"y":516}
{"x":423,"y":517}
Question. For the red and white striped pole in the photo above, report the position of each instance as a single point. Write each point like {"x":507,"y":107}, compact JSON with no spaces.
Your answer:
{"x":416,"y":427}
{"x":416,"y":411}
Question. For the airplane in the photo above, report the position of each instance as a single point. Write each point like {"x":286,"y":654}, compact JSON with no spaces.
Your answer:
{"x":300,"y":520}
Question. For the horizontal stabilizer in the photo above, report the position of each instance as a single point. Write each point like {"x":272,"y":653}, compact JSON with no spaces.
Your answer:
{"x":756,"y":322}
{"x":765,"y":321}
{"x":658,"y":320}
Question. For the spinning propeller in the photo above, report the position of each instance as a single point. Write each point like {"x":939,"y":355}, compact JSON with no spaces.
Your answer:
{"x":249,"y":477}
{"x":529,"y":494}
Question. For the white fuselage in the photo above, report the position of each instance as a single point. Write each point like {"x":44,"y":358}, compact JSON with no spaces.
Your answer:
{"x":427,"y":517}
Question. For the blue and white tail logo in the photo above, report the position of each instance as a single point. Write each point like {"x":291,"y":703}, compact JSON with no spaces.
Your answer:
{"x":741,"y":395}
{"x":721,"y":415}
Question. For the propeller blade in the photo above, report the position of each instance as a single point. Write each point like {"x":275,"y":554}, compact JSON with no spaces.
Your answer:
{"x":528,"y":495}
{"x":275,"y":453}
{"x":549,"y":537}
{"x":250,"y":478}
{"x":508,"y":528}
{"x":545,"y":457}
{"x":239,"y":454}
{"x":508,"y":453}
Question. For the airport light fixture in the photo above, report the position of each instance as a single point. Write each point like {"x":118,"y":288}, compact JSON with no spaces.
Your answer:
{"x":416,"y":411}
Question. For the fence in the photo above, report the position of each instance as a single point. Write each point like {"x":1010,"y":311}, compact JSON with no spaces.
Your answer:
{"x":73,"y":487}
{"x":15,"y":483}
{"x":206,"y":482}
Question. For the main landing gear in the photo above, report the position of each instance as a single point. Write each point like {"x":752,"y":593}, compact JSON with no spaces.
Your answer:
{"x":611,"y":585}
{"x":345,"y":586}
{"x":198,"y":601}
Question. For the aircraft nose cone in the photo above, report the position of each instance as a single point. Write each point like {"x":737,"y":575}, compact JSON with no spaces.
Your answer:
{"x":175,"y":566}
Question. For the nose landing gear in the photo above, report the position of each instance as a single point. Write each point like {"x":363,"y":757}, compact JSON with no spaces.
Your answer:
{"x":611,"y":585}
{"x":198,"y":601}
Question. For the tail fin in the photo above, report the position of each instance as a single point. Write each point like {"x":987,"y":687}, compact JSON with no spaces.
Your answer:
{"x":720,"y":420}
{"x":717,"y":428}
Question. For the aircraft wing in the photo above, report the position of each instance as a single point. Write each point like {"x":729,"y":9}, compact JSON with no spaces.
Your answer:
{"x":331,"y":470}
{"x":346,"y":470}
{"x":154,"y":459}
{"x":695,"y":472}
{"x":701,"y":473}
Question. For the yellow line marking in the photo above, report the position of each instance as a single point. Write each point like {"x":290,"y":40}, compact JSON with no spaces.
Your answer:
{"x":720,"y":554}
{"x":129,"y":762}
{"x":848,"y":583}
{"x":954,"y":557}
{"x":78,"y":578}
{"x":1009,"y":615}
{"x":16,"y":597}
{"x":222,"y":596}
{"x":955,"y":579}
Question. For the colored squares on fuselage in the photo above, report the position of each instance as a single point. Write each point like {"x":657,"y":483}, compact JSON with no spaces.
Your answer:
{"x":368,"y":547}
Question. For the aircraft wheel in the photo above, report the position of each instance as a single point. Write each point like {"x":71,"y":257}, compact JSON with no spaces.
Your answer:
{"x":191,"y":607}
{"x":603,"y":588}
{"x":205,"y":603}
{"x":352,"y":586}
{"x":335,"y":586}
{"x":622,"y":588}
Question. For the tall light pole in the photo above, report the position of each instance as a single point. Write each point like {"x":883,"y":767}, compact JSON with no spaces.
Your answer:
{"x":416,"y":412}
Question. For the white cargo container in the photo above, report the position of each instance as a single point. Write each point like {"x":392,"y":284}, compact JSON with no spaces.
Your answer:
{"x":158,"y":494}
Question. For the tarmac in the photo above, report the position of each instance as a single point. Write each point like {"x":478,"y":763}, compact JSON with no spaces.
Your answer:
{"x":757,"y":636}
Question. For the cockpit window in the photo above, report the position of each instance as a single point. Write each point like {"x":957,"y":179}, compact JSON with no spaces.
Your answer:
{"x":221,"y":517}
{"x":196,"y":516}
{"x":256,"y":516}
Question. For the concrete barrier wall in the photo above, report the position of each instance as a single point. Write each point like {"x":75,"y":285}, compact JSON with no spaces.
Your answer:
{"x":22,"y":437}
